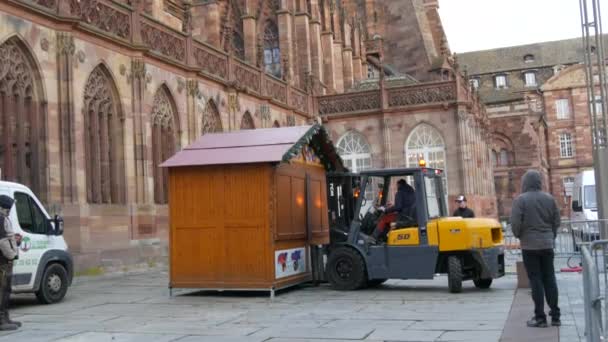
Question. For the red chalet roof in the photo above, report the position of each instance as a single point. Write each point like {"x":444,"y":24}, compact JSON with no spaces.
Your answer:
{"x":270,"y":145}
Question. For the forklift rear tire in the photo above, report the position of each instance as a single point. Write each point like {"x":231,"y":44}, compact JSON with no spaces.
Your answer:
{"x":454,"y":274}
{"x":483,"y":283}
{"x":346,"y":269}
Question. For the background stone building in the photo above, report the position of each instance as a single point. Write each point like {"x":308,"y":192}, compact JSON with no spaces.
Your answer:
{"x":419,"y":106}
{"x":536,"y":99}
{"x":95,"y":94}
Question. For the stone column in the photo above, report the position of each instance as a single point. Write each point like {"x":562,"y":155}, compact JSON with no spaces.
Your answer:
{"x":192,"y":95}
{"x":490,"y":169}
{"x":138,"y":82}
{"x":250,"y":36}
{"x":386,"y":134}
{"x":464,"y":150}
{"x":357,"y":69}
{"x":473,"y":167}
{"x":65,"y":113}
{"x":347,"y":58}
{"x":316,"y":57}
{"x":347,"y":67}
{"x":479,"y":164}
{"x":302,"y":34}
{"x":357,"y":76}
{"x":286,"y":44}
{"x":206,"y":16}
{"x":329,"y":68}
{"x":233,"y":110}
{"x":339,"y":67}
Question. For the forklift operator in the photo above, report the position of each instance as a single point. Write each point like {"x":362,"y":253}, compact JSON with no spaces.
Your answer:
{"x":405,"y":200}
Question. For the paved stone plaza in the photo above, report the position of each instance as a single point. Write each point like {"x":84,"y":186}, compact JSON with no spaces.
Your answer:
{"x":137,"y":307}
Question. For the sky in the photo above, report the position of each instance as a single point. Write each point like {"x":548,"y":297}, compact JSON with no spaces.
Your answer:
{"x":472,"y":25}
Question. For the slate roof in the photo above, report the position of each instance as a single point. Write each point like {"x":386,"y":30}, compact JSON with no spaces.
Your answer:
{"x":545,"y":54}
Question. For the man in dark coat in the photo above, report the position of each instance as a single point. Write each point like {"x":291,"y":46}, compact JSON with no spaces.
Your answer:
{"x":463,"y":211}
{"x":535,"y":219}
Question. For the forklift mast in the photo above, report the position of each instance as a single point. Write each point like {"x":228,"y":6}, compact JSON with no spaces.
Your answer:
{"x":342,"y":194}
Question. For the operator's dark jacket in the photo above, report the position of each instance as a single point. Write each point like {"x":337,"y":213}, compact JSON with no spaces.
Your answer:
{"x":405,"y":200}
{"x":535,"y":217}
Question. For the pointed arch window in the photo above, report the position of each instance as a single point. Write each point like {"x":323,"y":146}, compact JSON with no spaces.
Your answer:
{"x":247,"y":121}
{"x":272,"y":51}
{"x":22,"y":109}
{"x":232,"y":34}
{"x":104,"y":141}
{"x":212,"y":122}
{"x":164,"y":141}
{"x":238,"y":45}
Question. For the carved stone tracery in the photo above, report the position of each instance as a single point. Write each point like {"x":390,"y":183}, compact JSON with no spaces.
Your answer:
{"x":416,"y":96}
{"x":163,"y":42}
{"x":247,"y":121}
{"x":104,"y":145}
{"x":102,"y":16}
{"x":164,"y":141}
{"x":212,"y":123}
{"x":162,"y":111}
{"x":211,"y":64}
{"x":353,"y":102}
{"x":276,"y":90}
{"x":21,"y":116}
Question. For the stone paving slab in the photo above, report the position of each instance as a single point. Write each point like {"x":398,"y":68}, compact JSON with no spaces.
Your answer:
{"x":36,"y":335}
{"x":516,"y":330}
{"x":120,"y":337}
{"x":137,"y":307}
{"x":405,"y":335}
{"x":471,"y":336}
{"x":571,"y":305}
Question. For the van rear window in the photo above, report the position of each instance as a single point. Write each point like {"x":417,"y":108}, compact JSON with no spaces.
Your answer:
{"x":590,"y":198}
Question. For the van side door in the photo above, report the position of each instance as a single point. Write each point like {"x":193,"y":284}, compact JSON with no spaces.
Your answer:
{"x":35,"y":242}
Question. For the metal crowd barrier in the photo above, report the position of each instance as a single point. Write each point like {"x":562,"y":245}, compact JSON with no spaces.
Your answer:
{"x":570,"y":236}
{"x":595,"y":281}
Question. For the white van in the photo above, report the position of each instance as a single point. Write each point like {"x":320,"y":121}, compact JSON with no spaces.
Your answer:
{"x":584,"y":206}
{"x":45,"y":266}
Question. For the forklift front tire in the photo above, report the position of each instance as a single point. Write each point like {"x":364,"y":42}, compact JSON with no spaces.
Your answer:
{"x":454,"y":274}
{"x":346,"y":269}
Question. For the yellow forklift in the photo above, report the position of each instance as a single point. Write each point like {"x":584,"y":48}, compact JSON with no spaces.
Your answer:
{"x":417,"y":247}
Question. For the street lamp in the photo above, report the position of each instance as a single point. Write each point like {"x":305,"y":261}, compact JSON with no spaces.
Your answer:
{"x":597,"y":90}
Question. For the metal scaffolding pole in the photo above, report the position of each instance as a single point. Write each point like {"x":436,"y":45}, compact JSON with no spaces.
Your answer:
{"x":597,"y":89}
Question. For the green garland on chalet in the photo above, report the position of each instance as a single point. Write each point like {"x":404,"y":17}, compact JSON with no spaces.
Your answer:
{"x":317,"y":138}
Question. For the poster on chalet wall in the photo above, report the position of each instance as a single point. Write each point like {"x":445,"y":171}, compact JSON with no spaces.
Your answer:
{"x":289,"y":262}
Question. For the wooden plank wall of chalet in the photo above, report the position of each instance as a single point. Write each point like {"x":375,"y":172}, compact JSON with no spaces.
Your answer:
{"x":219,"y":221}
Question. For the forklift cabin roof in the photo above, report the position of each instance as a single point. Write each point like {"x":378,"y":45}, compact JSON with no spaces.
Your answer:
{"x":272,"y":145}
